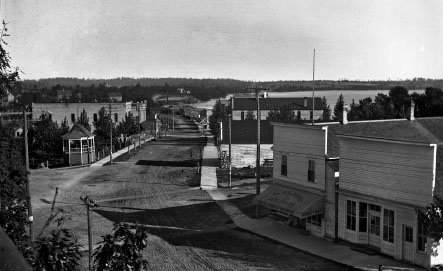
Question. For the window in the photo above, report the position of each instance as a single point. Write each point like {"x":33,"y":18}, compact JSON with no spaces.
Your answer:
{"x":242,"y":115}
{"x":351,"y":207}
{"x":421,"y":237}
{"x":95,"y":117}
{"x":374,"y":207}
{"x":311,"y":170}
{"x":374,"y":225}
{"x":314,"y":220}
{"x":284,"y":165}
{"x":388,"y":225}
{"x":409,"y":234}
{"x":72,"y":117}
{"x":363,"y":217}
{"x":115,"y":117}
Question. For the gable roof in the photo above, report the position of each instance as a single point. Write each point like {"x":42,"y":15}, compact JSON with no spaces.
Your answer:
{"x":402,"y":130}
{"x":250,"y":103}
{"x":77,"y":132}
{"x":424,"y":130}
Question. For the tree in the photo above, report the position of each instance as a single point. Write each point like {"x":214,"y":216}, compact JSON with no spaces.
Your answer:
{"x":9,"y":77}
{"x":283,"y":113}
{"x":13,"y":181}
{"x":122,"y":249}
{"x":128,"y":126}
{"x":338,"y":108}
{"x":400,"y":100}
{"x":59,"y":251}
{"x":47,"y":136}
{"x":218,"y":114}
{"x":434,"y":101}
{"x":102,"y":126}
{"x":83,"y":120}
{"x":383,"y":107}
{"x":432,"y":219}
{"x":327,"y":109}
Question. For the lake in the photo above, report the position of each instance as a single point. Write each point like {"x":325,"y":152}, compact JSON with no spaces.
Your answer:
{"x":330,"y":95}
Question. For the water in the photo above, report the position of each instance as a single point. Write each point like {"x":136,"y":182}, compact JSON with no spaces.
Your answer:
{"x":330,"y":95}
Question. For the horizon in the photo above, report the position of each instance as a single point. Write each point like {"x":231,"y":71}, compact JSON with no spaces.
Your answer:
{"x":244,"y":40}
{"x":234,"y":79}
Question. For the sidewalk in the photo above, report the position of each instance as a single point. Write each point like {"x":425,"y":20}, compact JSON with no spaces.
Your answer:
{"x":106,"y":159}
{"x":284,"y":234}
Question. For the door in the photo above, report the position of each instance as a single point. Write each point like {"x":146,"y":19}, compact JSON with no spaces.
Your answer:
{"x":408,"y":243}
{"x":374,"y":229}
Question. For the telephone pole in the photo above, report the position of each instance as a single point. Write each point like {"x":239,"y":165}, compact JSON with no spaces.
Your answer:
{"x":89,"y":203}
{"x":110,"y":131}
{"x":257,"y":90}
{"x":28,"y":192}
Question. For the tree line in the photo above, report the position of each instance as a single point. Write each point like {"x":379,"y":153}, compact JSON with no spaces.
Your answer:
{"x":394,"y":105}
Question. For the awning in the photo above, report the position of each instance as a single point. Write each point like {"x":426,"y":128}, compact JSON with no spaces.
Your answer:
{"x":291,"y":201}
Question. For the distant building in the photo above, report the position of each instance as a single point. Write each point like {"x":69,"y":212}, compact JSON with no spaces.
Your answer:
{"x":58,"y":112}
{"x":115,"y":97}
{"x":361,"y":181}
{"x":64,"y":94}
{"x":241,"y":106}
{"x":244,"y":116}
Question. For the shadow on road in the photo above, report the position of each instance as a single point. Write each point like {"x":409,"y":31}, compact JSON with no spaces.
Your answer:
{"x":182,"y":163}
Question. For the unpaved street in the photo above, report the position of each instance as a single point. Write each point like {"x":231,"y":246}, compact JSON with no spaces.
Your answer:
{"x":158,"y":186}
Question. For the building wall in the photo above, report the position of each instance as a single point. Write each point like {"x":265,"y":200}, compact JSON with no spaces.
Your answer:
{"x":244,"y":155}
{"x":403,"y":216}
{"x":76,"y":158}
{"x":388,"y":170}
{"x":304,"y":114}
{"x":59,"y":111}
{"x":300,"y":144}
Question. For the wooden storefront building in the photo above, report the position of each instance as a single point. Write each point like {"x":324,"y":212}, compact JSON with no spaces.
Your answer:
{"x":361,"y":182}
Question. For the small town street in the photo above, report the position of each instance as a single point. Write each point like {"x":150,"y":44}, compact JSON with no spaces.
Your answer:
{"x":157,"y":185}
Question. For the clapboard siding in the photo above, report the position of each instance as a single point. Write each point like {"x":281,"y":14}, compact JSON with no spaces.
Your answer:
{"x":398,"y":172}
{"x":300,"y":145}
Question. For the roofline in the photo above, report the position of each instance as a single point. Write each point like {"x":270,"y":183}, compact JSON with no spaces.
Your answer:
{"x":360,"y":121}
{"x":387,"y":140}
{"x":297,"y":125}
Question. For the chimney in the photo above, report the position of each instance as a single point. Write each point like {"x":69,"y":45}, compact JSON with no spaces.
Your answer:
{"x":344,"y":115}
{"x":412,"y":111}
{"x":305,"y":102}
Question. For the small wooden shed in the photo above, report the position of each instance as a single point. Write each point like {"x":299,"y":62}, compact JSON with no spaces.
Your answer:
{"x":79,"y":146}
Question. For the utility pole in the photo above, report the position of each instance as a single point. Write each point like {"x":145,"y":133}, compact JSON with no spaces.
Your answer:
{"x":28,"y":192}
{"x":257,"y":90}
{"x":313,"y":87}
{"x":230,"y":154}
{"x":167,"y":101}
{"x":89,"y":203}
{"x":110,"y":131}
{"x":173,"y":120}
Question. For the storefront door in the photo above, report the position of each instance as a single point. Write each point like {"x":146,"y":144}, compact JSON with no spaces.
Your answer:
{"x":374,"y":229}
{"x":408,"y":240}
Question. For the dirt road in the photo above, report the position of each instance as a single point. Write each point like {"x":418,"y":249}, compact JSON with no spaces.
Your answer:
{"x":157,"y":186}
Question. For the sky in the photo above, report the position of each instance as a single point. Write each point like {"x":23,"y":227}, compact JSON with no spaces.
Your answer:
{"x":240,"y":39}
